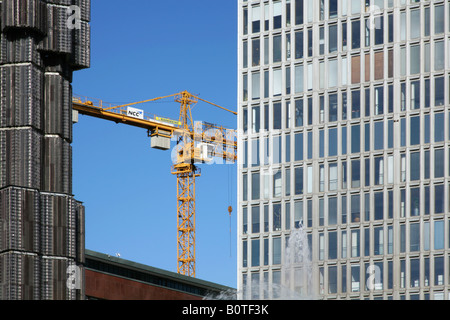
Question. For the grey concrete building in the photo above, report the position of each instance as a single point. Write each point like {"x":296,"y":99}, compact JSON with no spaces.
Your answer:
{"x":41,"y":224}
{"x":344,"y":131}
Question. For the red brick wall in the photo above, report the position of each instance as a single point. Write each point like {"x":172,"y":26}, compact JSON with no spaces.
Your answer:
{"x":108,"y":287}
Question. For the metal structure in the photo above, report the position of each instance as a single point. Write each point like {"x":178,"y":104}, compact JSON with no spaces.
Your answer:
{"x":41,"y":223}
{"x":197,"y":142}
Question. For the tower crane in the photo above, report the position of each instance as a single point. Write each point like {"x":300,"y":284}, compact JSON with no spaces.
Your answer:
{"x":197,"y":142}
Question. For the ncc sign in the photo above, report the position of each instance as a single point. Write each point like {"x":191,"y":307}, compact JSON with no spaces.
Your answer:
{"x":135,"y":113}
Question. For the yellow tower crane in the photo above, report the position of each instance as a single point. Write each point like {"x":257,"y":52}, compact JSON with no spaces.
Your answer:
{"x":197,"y":142}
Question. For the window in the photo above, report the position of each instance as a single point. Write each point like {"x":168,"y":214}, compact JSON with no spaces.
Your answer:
{"x":298,"y":214}
{"x":378,"y":101}
{"x":277,"y":186}
{"x":439,"y":131}
{"x":344,"y":141}
{"x":255,"y":152}
{"x":378,"y":203}
{"x":415,"y":166}
{"x":356,"y":6}
{"x":255,"y":119}
{"x":255,"y":252}
{"x":439,"y":235}
{"x":276,"y":217}
{"x":299,"y":112}
{"x":356,"y":138}
{"x":414,"y":237}
{"x":287,"y":185}
{"x":355,"y":247}
{"x":439,"y":19}
{"x":344,"y":175}
{"x":298,"y":153}
{"x":355,"y":274}
{"x":298,"y":180}
{"x":277,"y":48}
{"x":256,"y":17}
{"x":415,"y":59}
{"x":379,"y":30}
{"x":439,"y":199}
{"x":415,"y":23}
{"x":439,"y":55}
{"x":321,"y":40}
{"x":439,"y":271}
{"x":332,"y":245}
{"x":332,"y":279}
{"x":415,"y":95}
{"x":355,"y":208}
{"x":356,"y":104}
{"x":333,"y":8}
{"x":245,"y":21}
{"x":439,"y":91}
{"x":256,"y":52}
{"x":332,"y":211}
{"x":332,"y":73}
{"x":266,"y":17}
{"x":255,"y":219}
{"x":299,"y":72}
{"x":333,"y":177}
{"x":255,"y":186}
{"x":310,"y":42}
{"x":332,"y":107}
{"x":378,"y":247}
{"x":356,"y":69}
{"x":332,"y":142}
{"x":332,"y":38}
{"x":276,"y":251}
{"x":379,"y":135}
{"x":344,"y":36}
{"x":379,"y":170}
{"x":439,"y":163}
{"x":256,"y":84}
{"x":356,"y":34}
{"x":415,"y":130}
{"x":298,"y":12}
{"x":415,"y":273}
{"x":299,"y":44}
{"x":277,"y":115}
{"x":244,"y":254}
{"x":356,"y":173}
{"x":277,"y":8}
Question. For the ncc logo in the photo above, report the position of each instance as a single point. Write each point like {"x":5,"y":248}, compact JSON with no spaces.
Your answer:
{"x":135,"y":113}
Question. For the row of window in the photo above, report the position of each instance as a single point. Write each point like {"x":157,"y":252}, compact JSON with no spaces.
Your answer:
{"x":333,"y":210}
{"x":339,"y":70}
{"x":414,"y":272}
{"x":271,"y":16}
{"x":379,"y":275}
{"x":363,"y":138}
{"x":343,"y":105}
{"x":333,"y":73}
{"x":356,"y":278}
{"x":344,"y":209}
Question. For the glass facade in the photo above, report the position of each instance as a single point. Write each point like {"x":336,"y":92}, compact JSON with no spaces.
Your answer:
{"x":344,"y":130}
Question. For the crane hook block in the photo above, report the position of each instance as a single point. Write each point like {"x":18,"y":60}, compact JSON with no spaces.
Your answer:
{"x":230,"y":209}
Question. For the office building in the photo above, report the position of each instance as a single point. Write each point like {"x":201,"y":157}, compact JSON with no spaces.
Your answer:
{"x":344,"y":130}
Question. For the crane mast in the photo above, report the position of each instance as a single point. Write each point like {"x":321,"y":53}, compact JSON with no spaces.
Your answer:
{"x":186,"y":172}
{"x":196,"y":143}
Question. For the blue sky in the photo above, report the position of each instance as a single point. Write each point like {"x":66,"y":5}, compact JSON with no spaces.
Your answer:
{"x":144,"y":49}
